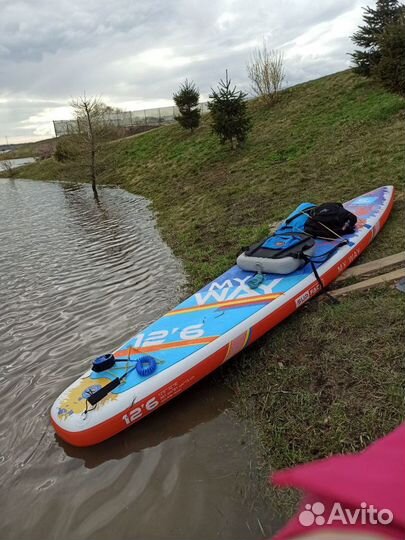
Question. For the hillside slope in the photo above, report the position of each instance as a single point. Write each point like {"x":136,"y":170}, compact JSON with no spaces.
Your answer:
{"x":41,"y":149}
{"x":328,"y":139}
{"x":330,"y":379}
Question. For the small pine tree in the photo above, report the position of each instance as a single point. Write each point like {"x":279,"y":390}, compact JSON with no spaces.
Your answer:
{"x":229,"y":116}
{"x":186,"y":100}
{"x":368,"y":35}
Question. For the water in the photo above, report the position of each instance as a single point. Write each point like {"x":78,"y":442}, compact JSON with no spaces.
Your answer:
{"x":77,"y":278}
{"x":17,"y":162}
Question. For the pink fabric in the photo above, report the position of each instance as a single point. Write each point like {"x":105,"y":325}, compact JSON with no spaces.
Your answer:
{"x":375,"y":476}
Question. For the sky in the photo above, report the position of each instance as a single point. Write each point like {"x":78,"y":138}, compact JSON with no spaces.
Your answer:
{"x":134,"y":54}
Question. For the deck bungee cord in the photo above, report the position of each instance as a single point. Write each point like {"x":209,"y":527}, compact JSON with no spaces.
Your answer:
{"x":347,"y":226}
{"x":295,"y":242}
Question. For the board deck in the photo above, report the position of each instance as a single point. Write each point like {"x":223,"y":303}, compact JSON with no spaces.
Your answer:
{"x":204,"y":331}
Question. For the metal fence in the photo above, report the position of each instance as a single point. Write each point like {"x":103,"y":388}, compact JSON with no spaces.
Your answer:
{"x":127,"y":119}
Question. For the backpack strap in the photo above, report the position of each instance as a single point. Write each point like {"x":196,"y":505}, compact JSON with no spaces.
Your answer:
{"x":325,"y":227}
{"x":325,"y":256}
{"x":319,"y":280}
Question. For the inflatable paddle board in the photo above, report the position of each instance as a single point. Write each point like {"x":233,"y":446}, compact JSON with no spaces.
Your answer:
{"x":200,"y":334}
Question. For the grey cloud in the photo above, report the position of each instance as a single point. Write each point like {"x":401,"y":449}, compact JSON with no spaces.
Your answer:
{"x":53,"y":51}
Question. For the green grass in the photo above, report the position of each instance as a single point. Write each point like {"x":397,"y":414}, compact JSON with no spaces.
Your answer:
{"x":34,"y":149}
{"x":329,"y":379}
{"x":328,"y":139}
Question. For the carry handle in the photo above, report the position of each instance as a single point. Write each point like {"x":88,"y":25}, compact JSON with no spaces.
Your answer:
{"x":93,"y":399}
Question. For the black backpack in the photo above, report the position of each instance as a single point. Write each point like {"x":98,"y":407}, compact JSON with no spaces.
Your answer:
{"x":329,"y":220}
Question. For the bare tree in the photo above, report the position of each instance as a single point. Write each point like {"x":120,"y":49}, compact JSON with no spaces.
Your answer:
{"x":92,"y":130}
{"x":266,"y":72}
{"x":7,"y":167}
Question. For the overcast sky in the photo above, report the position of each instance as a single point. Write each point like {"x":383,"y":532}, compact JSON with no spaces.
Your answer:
{"x":134,"y":53}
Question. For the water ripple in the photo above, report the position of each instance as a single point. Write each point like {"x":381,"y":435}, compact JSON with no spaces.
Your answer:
{"x":77,"y":278}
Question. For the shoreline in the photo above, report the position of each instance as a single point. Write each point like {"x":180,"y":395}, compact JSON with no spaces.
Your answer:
{"x":329,"y":379}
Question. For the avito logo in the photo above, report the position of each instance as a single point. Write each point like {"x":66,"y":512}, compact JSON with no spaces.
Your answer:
{"x":315,"y":514}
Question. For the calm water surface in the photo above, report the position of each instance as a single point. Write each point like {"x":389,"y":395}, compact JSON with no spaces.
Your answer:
{"x":18,"y":162}
{"x":77,"y":278}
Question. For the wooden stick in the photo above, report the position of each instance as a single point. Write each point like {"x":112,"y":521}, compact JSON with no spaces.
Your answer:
{"x":372,"y":282}
{"x":373,"y":266}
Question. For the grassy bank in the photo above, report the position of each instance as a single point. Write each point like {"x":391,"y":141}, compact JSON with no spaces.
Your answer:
{"x":39,"y":149}
{"x":330,"y":379}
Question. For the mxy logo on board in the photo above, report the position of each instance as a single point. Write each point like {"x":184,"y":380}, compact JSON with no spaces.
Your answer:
{"x":230,"y":289}
{"x":315,"y":514}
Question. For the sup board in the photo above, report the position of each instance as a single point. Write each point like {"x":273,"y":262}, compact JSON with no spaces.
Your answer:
{"x":203,"y":332}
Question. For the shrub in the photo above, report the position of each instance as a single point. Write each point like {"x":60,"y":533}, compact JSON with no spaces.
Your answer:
{"x":66,"y":149}
{"x":266,"y":72}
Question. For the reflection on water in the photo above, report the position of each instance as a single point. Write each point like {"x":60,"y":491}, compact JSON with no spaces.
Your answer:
{"x":179,"y":418}
{"x":77,"y":278}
